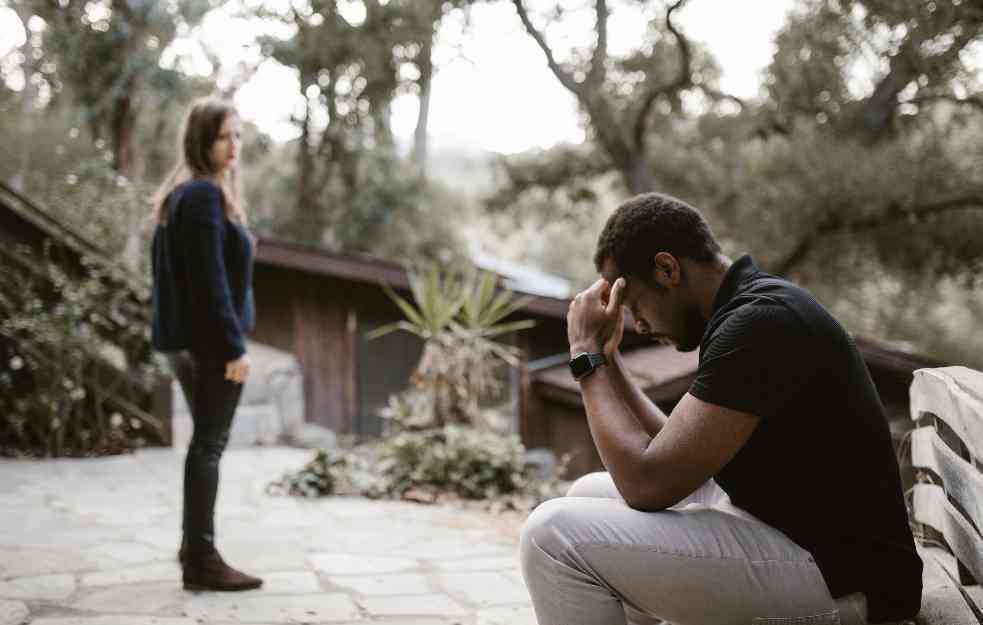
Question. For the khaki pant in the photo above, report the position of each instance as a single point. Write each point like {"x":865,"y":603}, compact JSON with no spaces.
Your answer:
{"x":589,"y":559}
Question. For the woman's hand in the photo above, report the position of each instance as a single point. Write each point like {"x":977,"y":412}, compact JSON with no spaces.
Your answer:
{"x":237,"y":370}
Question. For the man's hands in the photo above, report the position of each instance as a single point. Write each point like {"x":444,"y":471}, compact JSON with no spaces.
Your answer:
{"x":595,"y":321}
{"x":237,"y":370}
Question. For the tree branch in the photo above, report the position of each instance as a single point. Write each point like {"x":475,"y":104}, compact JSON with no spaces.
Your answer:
{"x":597,"y":64}
{"x":682,"y":79}
{"x":715,"y":94}
{"x":564,"y":77}
{"x":891,"y":214}
{"x":877,"y":111}
{"x":589,"y":95}
{"x":975,"y":101}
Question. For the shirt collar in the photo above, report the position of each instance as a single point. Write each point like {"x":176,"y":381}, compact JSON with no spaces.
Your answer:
{"x":739,"y":271}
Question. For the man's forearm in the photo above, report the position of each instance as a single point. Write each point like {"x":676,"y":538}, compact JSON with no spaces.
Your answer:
{"x":620,"y":438}
{"x":648,"y":414}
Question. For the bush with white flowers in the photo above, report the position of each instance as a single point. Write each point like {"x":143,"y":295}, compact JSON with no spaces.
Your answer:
{"x":50,"y":328}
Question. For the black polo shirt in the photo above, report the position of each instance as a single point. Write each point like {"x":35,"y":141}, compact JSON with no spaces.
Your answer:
{"x":820,"y":466}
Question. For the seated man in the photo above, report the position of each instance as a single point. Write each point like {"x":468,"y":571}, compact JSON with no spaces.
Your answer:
{"x":770,"y":495}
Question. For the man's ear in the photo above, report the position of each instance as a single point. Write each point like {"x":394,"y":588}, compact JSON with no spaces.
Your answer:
{"x":668,"y":273}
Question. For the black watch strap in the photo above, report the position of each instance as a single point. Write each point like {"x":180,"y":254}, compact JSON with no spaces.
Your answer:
{"x":585,"y":363}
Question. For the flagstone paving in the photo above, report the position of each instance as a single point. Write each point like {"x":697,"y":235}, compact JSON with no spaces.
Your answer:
{"x":94,"y":541}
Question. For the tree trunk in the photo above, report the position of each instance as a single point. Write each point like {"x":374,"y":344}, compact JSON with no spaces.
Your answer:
{"x":28,"y":99}
{"x":874,"y":118}
{"x":305,"y":161}
{"x":638,"y":176}
{"x":422,"y":119}
{"x":382,"y":113}
{"x":124,"y":124}
{"x":125,"y":164}
{"x":878,"y":110}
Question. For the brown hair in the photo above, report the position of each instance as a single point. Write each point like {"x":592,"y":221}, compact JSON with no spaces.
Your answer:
{"x":198,"y":133}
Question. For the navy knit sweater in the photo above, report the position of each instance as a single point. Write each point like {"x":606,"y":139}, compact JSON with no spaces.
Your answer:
{"x":203,"y":271}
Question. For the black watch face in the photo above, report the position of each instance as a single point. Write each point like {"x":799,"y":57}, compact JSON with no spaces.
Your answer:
{"x":580,"y":365}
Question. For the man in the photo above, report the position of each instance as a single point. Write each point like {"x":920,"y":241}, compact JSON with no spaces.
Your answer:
{"x":770,"y":495}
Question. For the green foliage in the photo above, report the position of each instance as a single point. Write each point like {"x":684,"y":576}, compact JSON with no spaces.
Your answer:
{"x":61,"y":169}
{"x":52,"y":326}
{"x":318,"y":478}
{"x":547,"y":185}
{"x":427,"y":466}
{"x":806,"y":75}
{"x":458,"y":318}
{"x":108,"y":55}
{"x":56,"y":163}
{"x":839,"y":198}
{"x":856,"y":171}
{"x":437,"y":299}
{"x":467,"y":462}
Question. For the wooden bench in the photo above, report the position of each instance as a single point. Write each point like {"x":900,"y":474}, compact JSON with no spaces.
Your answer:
{"x":947,"y":499}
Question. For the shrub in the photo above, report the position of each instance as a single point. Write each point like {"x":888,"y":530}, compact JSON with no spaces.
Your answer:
{"x":53,"y":326}
{"x":427,"y":466}
{"x":460,"y":319}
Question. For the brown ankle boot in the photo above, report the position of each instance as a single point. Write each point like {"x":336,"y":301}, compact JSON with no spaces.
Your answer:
{"x":207,"y":571}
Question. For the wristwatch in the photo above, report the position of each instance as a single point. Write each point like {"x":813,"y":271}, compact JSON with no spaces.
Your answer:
{"x":584,"y":364}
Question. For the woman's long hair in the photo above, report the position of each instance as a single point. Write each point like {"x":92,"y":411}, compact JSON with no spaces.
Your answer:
{"x":199,"y":132}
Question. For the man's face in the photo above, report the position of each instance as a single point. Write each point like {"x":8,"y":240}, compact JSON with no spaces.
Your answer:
{"x":662,"y":313}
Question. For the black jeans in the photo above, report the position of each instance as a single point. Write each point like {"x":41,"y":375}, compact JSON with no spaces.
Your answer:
{"x":212,"y":400}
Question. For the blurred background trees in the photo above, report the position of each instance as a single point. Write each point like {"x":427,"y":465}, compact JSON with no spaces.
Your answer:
{"x":858,"y":172}
{"x":857,"y":169}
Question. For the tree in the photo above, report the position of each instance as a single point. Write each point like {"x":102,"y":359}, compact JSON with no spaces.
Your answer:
{"x":108,"y":53}
{"x":623,"y":98}
{"x":812,"y":122}
{"x":352,"y":190}
{"x":912,"y":120}
{"x":105,"y":57}
{"x":425,"y":18}
{"x":857,"y":168}
{"x":927,"y":41}
{"x":348,"y":78}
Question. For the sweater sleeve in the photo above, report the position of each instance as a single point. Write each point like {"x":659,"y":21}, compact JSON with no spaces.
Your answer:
{"x":211,"y":296}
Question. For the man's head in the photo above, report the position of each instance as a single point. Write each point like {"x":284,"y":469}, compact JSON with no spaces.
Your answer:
{"x":658,"y":244}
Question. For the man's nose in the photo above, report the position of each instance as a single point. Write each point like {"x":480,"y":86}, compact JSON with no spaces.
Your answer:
{"x":641,"y":327}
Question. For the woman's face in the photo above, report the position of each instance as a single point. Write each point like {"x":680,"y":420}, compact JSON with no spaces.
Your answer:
{"x":225,"y":150}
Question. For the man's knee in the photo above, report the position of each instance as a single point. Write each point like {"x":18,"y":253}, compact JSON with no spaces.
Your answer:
{"x":597,"y":484}
{"x":547,"y":531}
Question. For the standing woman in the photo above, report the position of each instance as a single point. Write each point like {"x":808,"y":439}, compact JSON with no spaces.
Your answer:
{"x":203,"y":306}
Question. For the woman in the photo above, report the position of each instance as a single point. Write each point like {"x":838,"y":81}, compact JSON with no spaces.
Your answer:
{"x":202,"y":300}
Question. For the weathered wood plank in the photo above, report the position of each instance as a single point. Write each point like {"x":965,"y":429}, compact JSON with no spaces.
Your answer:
{"x":932,"y":508}
{"x":942,"y":603}
{"x":954,"y":395}
{"x":324,"y":343}
{"x":963,"y":482}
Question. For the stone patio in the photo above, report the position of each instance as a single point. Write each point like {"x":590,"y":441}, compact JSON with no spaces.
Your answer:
{"x":93,"y":542}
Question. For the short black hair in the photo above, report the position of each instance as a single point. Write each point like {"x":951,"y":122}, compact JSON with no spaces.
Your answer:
{"x":651,"y":223}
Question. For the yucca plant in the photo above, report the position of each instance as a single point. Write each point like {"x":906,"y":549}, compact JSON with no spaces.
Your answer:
{"x":437,"y":297}
{"x":458,"y":317}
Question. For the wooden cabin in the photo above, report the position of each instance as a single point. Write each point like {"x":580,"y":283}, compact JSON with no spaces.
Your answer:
{"x":320,"y":306}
